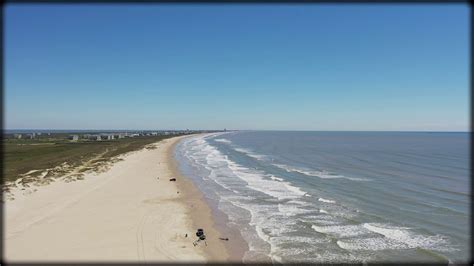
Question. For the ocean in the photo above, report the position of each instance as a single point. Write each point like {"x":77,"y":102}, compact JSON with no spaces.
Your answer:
{"x":338,"y":196}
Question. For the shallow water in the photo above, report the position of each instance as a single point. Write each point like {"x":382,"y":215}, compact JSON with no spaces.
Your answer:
{"x":338,"y":196}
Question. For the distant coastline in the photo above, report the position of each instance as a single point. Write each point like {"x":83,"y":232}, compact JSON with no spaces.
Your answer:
{"x":12,"y":131}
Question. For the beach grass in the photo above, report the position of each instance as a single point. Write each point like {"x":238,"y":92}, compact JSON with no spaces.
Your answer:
{"x":26,"y":155}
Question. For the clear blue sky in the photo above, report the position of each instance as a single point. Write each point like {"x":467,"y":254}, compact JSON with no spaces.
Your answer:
{"x":284,"y":67}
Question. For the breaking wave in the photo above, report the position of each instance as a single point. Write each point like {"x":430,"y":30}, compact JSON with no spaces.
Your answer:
{"x":284,"y":219}
{"x":321,"y":174}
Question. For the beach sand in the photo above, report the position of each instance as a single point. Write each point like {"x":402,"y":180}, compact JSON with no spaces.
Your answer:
{"x":125,"y":214}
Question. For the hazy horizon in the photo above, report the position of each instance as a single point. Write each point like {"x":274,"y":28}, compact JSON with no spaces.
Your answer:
{"x":249,"y":67}
{"x":220,"y":129}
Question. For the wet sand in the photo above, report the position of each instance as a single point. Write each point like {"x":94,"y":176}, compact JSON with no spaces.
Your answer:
{"x":204,"y":214}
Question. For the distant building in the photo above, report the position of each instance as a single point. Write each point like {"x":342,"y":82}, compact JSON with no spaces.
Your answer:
{"x":94,"y":137}
{"x":74,"y":137}
{"x":119,"y":136}
{"x":30,"y":136}
{"x":107,"y":136}
{"x":17,"y":136}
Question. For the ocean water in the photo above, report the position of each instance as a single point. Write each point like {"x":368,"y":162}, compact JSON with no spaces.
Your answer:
{"x":338,"y":196}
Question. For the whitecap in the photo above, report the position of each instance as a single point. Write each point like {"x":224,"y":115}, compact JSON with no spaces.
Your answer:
{"x":272,"y":177}
{"x":373,"y":243}
{"x":250,"y":153}
{"x":341,"y":230}
{"x":315,"y":173}
{"x":326,"y":200}
{"x":223,"y":140}
{"x":404,"y":236}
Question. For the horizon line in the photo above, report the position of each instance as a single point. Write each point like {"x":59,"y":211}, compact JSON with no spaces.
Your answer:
{"x":297,"y":130}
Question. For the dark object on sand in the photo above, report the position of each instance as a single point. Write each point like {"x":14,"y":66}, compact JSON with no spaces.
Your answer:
{"x":226,"y":239}
{"x":186,"y":235}
{"x":177,"y":192}
{"x":199,"y":232}
{"x":201,"y":237}
{"x":173,"y":179}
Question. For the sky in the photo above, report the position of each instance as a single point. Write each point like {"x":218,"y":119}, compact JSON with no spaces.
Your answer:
{"x":256,"y":67}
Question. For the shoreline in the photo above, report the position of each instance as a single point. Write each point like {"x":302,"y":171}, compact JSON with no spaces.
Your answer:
{"x":203,"y":213}
{"x":129,"y":213}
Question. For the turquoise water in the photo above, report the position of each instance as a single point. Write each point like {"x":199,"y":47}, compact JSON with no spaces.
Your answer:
{"x":338,"y":196}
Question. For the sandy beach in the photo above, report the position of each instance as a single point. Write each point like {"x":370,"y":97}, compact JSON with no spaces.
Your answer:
{"x":129,"y":213}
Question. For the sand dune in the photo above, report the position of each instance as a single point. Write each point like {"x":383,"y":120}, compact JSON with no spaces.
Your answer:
{"x":123,"y":214}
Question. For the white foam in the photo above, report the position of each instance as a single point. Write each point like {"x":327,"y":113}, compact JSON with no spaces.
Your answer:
{"x":291,"y":209}
{"x":270,"y":224}
{"x":374,"y":243}
{"x":223,"y":140}
{"x":331,"y":257}
{"x":294,"y":189}
{"x":321,"y":174}
{"x":327,"y":222}
{"x":341,"y":230}
{"x":276,"y":178}
{"x":276,"y":207}
{"x":250,"y":153}
{"x":215,"y":178}
{"x":326,"y":200}
{"x":256,"y":180}
{"x":405,"y":236}
{"x":393,"y":237}
{"x":261,"y":234}
{"x":300,"y":239}
{"x":323,"y":219}
{"x":277,"y":259}
{"x":285,"y":167}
